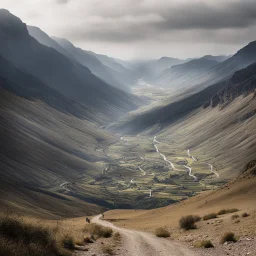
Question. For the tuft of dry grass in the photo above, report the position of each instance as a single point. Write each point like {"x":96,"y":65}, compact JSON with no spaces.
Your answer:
{"x":234,"y":216}
{"x":98,"y":231}
{"x":117,"y":236}
{"x":188,"y":222}
{"x":108,"y":249}
{"x":18,"y":238}
{"x":210,"y":216}
{"x":228,"y":237}
{"x":225,"y":211}
{"x":161,"y":232}
{"x":204,"y":244}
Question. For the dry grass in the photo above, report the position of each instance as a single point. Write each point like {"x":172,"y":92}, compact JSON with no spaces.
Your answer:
{"x":188,"y":222}
{"x":98,"y":231}
{"x":234,"y":216}
{"x":228,"y":237}
{"x":117,"y":237}
{"x":226,"y":211}
{"x":108,"y":249}
{"x":210,"y":216}
{"x":204,"y":244}
{"x":19,"y":238}
{"x":161,"y":232}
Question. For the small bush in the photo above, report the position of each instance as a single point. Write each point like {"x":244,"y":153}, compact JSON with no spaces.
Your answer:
{"x":108,"y":249}
{"x":18,"y":238}
{"x":117,"y":236}
{"x":245,"y":214}
{"x":210,"y":216}
{"x":228,"y":237}
{"x":188,"y":222}
{"x":204,"y":244}
{"x":98,"y":231}
{"x":88,"y":240}
{"x":234,"y":216}
{"x":68,"y":242}
{"x":225,"y":211}
{"x":161,"y":232}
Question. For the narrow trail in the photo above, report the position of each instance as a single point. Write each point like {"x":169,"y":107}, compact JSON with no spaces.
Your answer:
{"x":213,"y":170}
{"x":146,"y":244}
{"x":144,"y":173}
{"x":64,"y":185}
{"x":190,"y":172}
{"x":162,"y":155}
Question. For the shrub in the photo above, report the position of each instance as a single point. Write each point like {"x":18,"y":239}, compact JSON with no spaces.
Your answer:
{"x":117,"y":236}
{"x":245,"y":214}
{"x":225,"y":211}
{"x":88,"y":240}
{"x":204,"y":244}
{"x":210,"y":216}
{"x":18,"y":238}
{"x":108,"y":249}
{"x":228,"y":237}
{"x":161,"y":232}
{"x":234,"y":216}
{"x":98,"y":231}
{"x":188,"y":222}
{"x":68,"y":242}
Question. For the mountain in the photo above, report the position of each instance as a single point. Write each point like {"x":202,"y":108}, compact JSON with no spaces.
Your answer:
{"x":241,"y":83}
{"x":212,"y":74}
{"x":148,"y":70}
{"x":44,"y":39}
{"x":181,"y":75}
{"x":94,"y":63}
{"x":42,"y":148}
{"x":73,"y":80}
{"x":219,"y":58}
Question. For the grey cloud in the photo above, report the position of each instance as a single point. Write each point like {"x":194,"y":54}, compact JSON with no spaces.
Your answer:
{"x":62,"y":1}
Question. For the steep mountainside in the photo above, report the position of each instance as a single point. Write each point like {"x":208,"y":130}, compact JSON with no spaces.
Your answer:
{"x":94,"y":63}
{"x":74,"y":81}
{"x":41,"y":149}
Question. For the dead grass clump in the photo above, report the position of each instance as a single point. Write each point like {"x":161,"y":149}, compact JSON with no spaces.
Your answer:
{"x":88,"y":240}
{"x":228,"y":237}
{"x":188,"y":222}
{"x":234,"y":216}
{"x":117,"y":236}
{"x":108,"y":249}
{"x":225,"y":211}
{"x":18,"y":238}
{"x":210,"y":216}
{"x":161,"y":232}
{"x":204,"y":244}
{"x":98,"y":231}
{"x":68,"y":242}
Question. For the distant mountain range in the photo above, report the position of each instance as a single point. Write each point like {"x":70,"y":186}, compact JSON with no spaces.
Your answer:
{"x":222,"y":91}
{"x":71,"y":79}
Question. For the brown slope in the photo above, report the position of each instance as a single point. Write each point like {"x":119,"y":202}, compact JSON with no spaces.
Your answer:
{"x":40,"y":149}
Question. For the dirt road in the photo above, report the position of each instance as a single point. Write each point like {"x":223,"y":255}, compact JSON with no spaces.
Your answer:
{"x":137,"y":243}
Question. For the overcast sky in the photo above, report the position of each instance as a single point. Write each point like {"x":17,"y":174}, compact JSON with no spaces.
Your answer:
{"x":144,"y":28}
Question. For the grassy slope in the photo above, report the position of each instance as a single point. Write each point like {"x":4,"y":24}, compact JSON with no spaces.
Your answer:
{"x":40,"y":149}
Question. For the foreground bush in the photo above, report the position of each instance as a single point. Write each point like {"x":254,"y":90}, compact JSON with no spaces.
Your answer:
{"x":210,"y":216}
{"x":204,"y":244}
{"x":188,"y":222}
{"x":107,"y":249}
{"x":18,"y":238}
{"x":225,"y":211}
{"x":228,"y":237}
{"x":98,"y":231}
{"x":161,"y":232}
